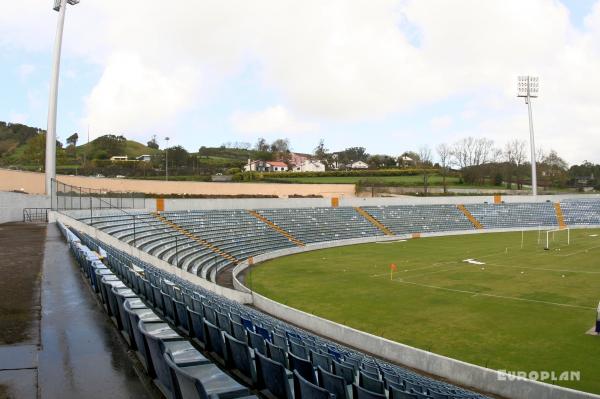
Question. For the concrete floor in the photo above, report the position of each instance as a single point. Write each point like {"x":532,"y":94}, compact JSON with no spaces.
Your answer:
{"x":81,"y":354}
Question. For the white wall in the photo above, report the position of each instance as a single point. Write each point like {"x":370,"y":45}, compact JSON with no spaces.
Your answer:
{"x":12,"y":204}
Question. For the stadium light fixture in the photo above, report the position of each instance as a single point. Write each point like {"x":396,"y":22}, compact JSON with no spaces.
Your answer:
{"x":529,"y":87}
{"x":167,"y":159}
{"x":50,"y":164}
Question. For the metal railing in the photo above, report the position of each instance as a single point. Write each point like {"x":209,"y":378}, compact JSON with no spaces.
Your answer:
{"x":68,"y":197}
{"x":38,"y":215}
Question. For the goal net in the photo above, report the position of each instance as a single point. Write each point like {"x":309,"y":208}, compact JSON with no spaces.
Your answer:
{"x":558,"y":238}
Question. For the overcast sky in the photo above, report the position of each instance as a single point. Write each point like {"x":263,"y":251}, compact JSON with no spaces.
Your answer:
{"x":389,"y":75}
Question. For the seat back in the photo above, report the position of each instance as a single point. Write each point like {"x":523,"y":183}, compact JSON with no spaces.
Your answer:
{"x":361,"y":393}
{"x":298,"y":349}
{"x":319,"y":359}
{"x":396,"y":393}
{"x":239,"y":358}
{"x":276,"y":353}
{"x":304,"y":389}
{"x":303,"y":366}
{"x":264,"y":332}
{"x":347,"y":373}
{"x":257,"y":343}
{"x":214,"y":341}
{"x":279,"y":340}
{"x":183,"y":383}
{"x":272,"y":376}
{"x":197,"y":324}
{"x":370,"y":384}
{"x":332,"y":383}
{"x":239,"y":332}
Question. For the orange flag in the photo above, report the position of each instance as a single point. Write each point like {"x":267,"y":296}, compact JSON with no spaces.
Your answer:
{"x":393,"y":268}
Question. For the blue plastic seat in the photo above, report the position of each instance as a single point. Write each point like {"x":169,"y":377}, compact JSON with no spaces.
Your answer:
{"x":257,"y":342}
{"x":198,"y":333}
{"x":272,"y":377}
{"x":304,"y":389}
{"x":298,"y":349}
{"x":276,"y":353}
{"x":204,"y":381}
{"x":182,"y":318}
{"x":263,"y":332}
{"x":214,"y":342}
{"x":370,"y":384}
{"x":239,"y":332}
{"x":239,"y":359}
{"x":347,"y":373}
{"x":396,"y":392}
{"x":303,"y":366}
{"x":332,"y":383}
{"x":320,"y":360}
{"x":361,"y":393}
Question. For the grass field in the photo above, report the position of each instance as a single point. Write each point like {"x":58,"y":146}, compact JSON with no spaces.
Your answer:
{"x":525,"y":309}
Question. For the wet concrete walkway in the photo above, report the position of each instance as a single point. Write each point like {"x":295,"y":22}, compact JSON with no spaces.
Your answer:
{"x":82,"y":355}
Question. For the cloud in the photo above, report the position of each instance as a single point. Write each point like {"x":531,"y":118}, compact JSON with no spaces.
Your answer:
{"x":344,"y":62}
{"x":25,"y":70}
{"x":276,"y":119}
{"x":133,"y":97}
{"x":441,"y":122}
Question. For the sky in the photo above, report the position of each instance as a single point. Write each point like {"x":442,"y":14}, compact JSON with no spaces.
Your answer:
{"x":388,"y":75}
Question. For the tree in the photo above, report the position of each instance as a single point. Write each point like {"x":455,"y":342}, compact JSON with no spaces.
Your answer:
{"x":261,"y":145}
{"x":72,"y":140}
{"x":178,"y":156}
{"x":514,"y":156}
{"x":444,"y":153}
{"x":554,"y":168}
{"x":320,"y":151}
{"x":152,"y":143}
{"x":425,"y":163}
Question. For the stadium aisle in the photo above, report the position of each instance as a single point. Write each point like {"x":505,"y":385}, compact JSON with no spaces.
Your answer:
{"x":81,"y":355}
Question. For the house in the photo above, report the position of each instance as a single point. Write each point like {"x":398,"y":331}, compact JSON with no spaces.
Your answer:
{"x":265,"y":166}
{"x":309,"y":165}
{"x":145,"y":158}
{"x":117,"y":158}
{"x":358,"y":165}
{"x":277,"y":166}
{"x":297,"y":158}
{"x":406,"y":161}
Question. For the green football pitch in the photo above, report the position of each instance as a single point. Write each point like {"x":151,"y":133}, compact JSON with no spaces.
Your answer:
{"x":522,"y":309}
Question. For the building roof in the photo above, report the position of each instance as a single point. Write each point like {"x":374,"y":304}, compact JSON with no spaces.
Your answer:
{"x":278,"y":163}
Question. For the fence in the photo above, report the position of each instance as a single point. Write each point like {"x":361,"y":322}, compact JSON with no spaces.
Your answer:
{"x":39,"y":215}
{"x":68,"y":197}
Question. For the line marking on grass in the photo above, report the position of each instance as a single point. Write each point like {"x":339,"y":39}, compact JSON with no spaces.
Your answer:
{"x":474,"y":293}
{"x":544,"y":269}
{"x":578,"y":252}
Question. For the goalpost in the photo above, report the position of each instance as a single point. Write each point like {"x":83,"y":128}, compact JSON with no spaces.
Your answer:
{"x":557,"y":235}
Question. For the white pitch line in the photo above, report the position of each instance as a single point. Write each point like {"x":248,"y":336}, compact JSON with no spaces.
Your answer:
{"x":544,"y":269}
{"x":473,"y":293}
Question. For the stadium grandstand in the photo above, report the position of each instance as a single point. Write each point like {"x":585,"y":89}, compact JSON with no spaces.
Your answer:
{"x":175,"y":285}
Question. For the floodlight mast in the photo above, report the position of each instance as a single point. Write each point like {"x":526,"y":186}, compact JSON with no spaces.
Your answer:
{"x":528,"y":87}
{"x":50,"y":164}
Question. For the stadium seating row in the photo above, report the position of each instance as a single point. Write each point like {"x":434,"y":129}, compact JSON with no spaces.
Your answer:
{"x":160,"y":314}
{"x":240,"y":235}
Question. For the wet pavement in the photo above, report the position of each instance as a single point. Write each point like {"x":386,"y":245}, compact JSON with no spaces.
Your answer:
{"x":82,"y":354}
{"x":76,"y":352}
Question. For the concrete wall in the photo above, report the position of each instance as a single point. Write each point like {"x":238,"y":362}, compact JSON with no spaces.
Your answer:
{"x":33,"y":183}
{"x":459,"y":372}
{"x":257,"y":203}
{"x":12,"y":204}
{"x":115,"y":242}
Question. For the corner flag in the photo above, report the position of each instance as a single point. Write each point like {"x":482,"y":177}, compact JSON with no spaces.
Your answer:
{"x":393,"y":268}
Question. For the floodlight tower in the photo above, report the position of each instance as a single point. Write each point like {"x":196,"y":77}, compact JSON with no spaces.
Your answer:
{"x":167,"y":159}
{"x":529,"y":87}
{"x":61,"y":7}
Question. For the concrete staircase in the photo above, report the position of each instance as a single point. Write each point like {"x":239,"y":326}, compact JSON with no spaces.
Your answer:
{"x":559,"y":216}
{"x":471,"y":218}
{"x":199,"y":240}
{"x":374,"y":221}
{"x":277,"y":228}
